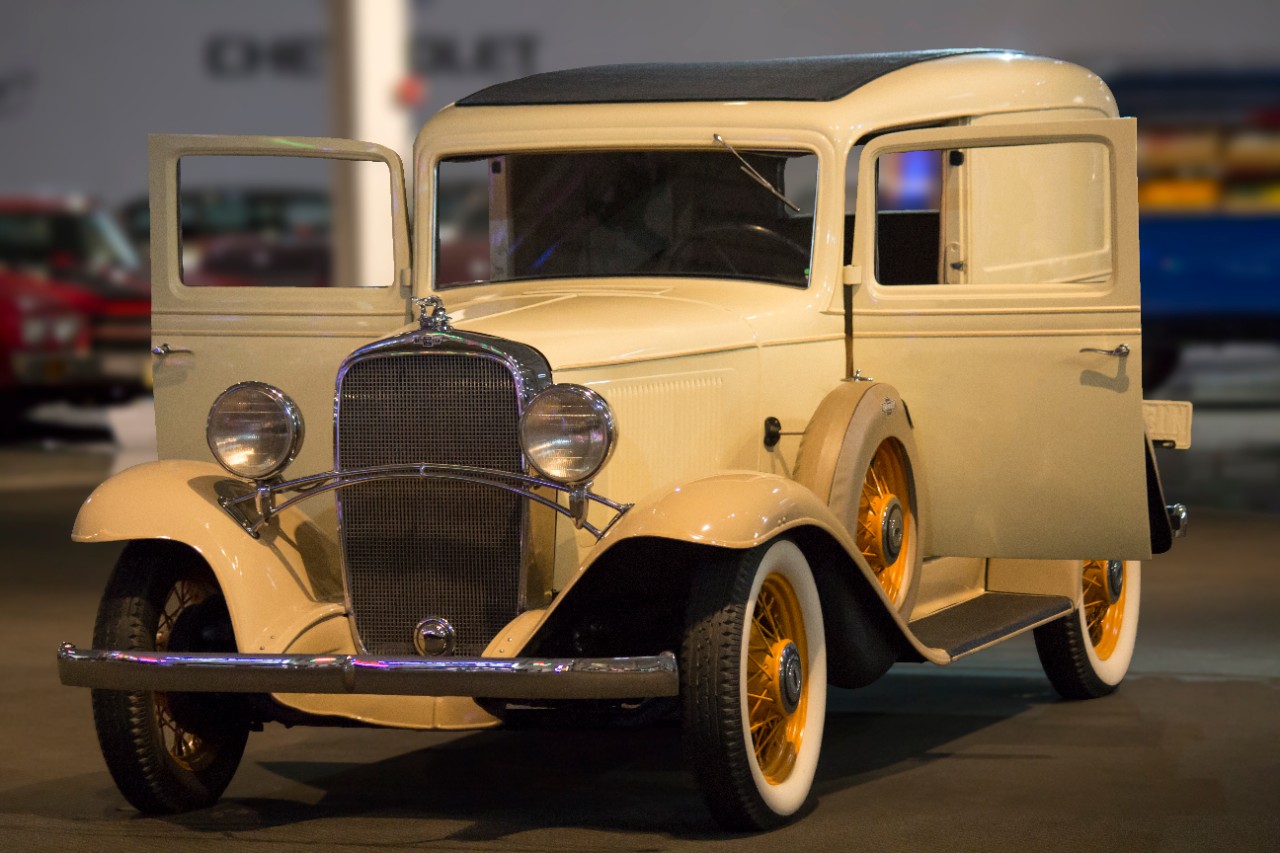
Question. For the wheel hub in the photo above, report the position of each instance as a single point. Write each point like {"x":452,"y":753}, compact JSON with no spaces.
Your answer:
{"x":790,"y":677}
{"x":434,"y":636}
{"x":1115,"y":580}
{"x":890,"y":529}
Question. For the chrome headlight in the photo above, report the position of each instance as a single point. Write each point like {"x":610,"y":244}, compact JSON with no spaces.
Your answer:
{"x":567,"y":432}
{"x":254,"y":430}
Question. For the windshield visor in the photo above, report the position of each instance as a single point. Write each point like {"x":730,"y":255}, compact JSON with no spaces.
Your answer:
{"x":624,"y":213}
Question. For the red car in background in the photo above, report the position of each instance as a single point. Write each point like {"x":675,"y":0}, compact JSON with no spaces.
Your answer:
{"x":279,"y":236}
{"x":77,"y":254}
{"x":44,"y":346}
{"x":273,"y":236}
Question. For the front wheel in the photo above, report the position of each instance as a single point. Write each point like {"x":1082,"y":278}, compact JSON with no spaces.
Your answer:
{"x":167,"y":752}
{"x":754,"y":673}
{"x":1087,"y":652}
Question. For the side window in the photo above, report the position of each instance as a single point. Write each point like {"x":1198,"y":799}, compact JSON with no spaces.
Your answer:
{"x":1017,"y":214}
{"x":258,"y":221}
{"x":909,"y":207}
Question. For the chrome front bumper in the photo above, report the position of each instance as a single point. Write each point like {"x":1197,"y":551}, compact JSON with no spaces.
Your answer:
{"x":496,"y":678}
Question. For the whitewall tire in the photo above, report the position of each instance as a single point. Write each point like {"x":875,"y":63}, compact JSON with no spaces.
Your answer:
{"x":754,"y":685}
{"x":1087,"y":653}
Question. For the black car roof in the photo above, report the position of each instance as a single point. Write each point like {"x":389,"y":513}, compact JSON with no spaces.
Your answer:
{"x":813,"y":78}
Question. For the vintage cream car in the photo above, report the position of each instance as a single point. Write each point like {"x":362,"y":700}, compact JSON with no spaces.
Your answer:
{"x":730,"y":382}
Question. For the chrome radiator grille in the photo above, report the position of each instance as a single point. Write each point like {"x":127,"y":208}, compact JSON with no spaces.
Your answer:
{"x":418,"y":548}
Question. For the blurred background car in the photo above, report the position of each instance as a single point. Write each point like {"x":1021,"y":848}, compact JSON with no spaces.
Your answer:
{"x":76,"y":253}
{"x":44,"y":346}
{"x":241,"y":236}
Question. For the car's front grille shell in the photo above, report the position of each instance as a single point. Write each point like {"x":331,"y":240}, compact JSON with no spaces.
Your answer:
{"x":423,"y":547}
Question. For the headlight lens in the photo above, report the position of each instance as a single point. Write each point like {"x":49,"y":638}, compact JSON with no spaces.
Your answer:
{"x":568,"y":433}
{"x":34,"y":331}
{"x":66,"y":329}
{"x":254,"y":430}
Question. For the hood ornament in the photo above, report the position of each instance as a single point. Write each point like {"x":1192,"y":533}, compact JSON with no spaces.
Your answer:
{"x":431,"y":314}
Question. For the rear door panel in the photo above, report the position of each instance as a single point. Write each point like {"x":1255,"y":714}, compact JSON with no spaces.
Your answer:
{"x":1031,"y":448}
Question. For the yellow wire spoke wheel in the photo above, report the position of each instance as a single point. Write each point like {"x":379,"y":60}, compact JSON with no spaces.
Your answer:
{"x":1086,"y":653}
{"x":187,"y":749}
{"x":753,"y":684}
{"x":884,"y":530}
{"x":1103,"y":599}
{"x":777,"y":695}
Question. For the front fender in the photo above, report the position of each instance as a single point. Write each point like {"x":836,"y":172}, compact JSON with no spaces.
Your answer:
{"x":276,"y":586}
{"x":644,"y":560}
{"x":736,"y":509}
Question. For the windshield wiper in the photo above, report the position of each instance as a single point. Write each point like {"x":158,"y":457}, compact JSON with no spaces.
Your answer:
{"x":756,"y":176}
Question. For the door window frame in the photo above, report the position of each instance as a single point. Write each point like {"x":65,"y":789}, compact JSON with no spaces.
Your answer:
{"x":170,"y":296}
{"x":1116,"y":135}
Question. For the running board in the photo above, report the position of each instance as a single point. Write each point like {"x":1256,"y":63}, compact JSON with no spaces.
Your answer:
{"x":987,"y":619}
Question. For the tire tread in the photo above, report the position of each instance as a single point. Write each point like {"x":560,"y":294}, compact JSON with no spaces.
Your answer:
{"x":712,"y":709}
{"x":130,"y":745}
{"x":1061,"y":646}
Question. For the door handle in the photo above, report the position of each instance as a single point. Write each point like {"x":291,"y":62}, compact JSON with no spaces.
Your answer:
{"x":164,"y":349}
{"x":1120,"y":351}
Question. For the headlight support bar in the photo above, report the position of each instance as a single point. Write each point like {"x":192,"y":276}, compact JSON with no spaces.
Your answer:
{"x":254,"y":509}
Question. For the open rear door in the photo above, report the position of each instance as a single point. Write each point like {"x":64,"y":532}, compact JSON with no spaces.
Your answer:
{"x":248,"y":283}
{"x":999,"y":293}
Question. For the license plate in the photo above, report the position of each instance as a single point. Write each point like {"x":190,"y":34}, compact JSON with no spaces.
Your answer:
{"x":54,"y":371}
{"x":36,"y":370}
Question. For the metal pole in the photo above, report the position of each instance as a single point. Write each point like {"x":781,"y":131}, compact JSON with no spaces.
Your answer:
{"x":369,"y":46}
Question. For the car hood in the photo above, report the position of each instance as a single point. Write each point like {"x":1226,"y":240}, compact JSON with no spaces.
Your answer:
{"x":37,"y":294}
{"x":584,"y":327}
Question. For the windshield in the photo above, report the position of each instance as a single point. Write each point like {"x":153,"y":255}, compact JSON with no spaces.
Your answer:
{"x":625,"y":213}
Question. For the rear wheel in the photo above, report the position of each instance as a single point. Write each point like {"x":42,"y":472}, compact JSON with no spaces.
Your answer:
{"x":167,"y":752}
{"x":1086,"y":653}
{"x":754,"y":672}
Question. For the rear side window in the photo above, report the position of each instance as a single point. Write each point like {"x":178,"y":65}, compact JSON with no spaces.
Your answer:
{"x":1016,"y":214}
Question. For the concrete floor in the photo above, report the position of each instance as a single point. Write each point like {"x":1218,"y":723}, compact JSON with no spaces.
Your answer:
{"x":978,"y":756}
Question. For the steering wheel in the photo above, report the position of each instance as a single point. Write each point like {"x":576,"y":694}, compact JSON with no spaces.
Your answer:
{"x":715,"y":236}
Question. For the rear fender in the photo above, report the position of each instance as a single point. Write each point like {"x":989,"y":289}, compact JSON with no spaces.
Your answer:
{"x":277,"y":586}
{"x":840,"y":440}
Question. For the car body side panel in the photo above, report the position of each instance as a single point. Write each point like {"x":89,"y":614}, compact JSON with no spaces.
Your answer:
{"x":1026,"y":397}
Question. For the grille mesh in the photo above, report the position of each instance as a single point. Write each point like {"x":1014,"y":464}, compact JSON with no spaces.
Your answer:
{"x":416,"y":548}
